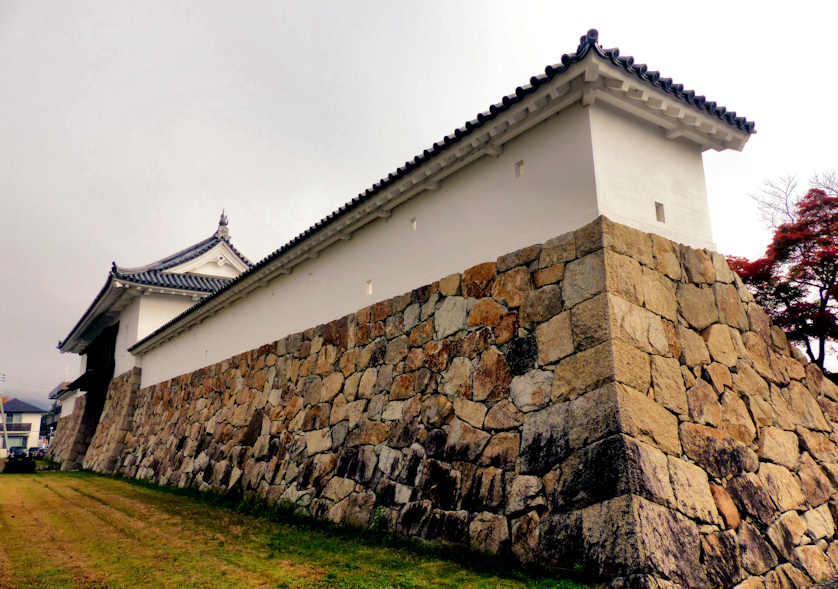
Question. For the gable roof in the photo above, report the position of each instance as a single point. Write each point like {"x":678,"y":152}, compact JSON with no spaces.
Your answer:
{"x":588,"y":48}
{"x":155,"y":275}
{"x":18,"y":406}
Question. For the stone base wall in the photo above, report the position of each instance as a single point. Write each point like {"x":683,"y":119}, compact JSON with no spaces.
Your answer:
{"x":66,"y":446}
{"x":108,"y":442}
{"x":608,"y":398}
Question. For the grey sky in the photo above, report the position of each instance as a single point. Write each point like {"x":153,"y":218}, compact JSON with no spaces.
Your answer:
{"x":126,"y":127}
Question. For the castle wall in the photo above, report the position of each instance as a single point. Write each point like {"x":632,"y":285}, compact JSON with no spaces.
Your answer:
{"x":108,"y":442}
{"x":65,"y":445}
{"x":608,"y":398}
{"x":481,"y":211}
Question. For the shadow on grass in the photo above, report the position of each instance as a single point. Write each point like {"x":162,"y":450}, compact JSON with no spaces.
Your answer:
{"x":313,"y":534}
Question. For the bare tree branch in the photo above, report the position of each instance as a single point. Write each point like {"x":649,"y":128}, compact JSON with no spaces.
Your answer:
{"x":826,"y":181}
{"x":776,"y":200}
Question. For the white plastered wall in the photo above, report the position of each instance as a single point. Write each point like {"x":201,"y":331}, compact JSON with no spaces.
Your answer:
{"x":126,"y":336}
{"x":142,"y":316}
{"x":636,"y":166}
{"x":570,"y":169}
{"x":68,"y":403}
{"x":157,"y":309}
{"x":477,"y":214}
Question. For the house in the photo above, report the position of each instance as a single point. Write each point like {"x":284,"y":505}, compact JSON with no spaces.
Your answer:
{"x":22,"y":424}
{"x":133,"y":302}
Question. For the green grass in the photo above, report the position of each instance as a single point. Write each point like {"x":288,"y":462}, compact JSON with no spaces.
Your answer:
{"x":104,"y":532}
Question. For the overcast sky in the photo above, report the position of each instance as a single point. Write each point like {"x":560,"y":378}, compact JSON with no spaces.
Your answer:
{"x":125,"y":127}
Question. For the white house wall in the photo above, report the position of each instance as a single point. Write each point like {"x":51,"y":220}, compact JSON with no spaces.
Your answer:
{"x":157,"y":309}
{"x":126,"y":336}
{"x":636,"y":166}
{"x":35,"y":430}
{"x":482,"y":211}
{"x":68,"y":403}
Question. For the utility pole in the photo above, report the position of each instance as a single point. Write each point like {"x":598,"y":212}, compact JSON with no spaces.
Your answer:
{"x":2,"y":412}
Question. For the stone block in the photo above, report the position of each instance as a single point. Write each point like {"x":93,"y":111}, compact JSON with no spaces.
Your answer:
{"x":725,"y":506}
{"x":519,"y":257}
{"x":716,"y":452}
{"x":554,"y":338}
{"x":816,"y":563}
{"x":488,"y":532}
{"x":469,"y":411}
{"x":668,"y":384}
{"x":704,"y":405}
{"x":549,"y":275}
{"x":819,"y":523}
{"x":450,"y":317}
{"x":544,"y":439}
{"x":464,"y":442}
{"x":720,"y":344}
{"x":477,"y":280}
{"x":721,"y":558}
{"x":732,"y":310}
{"x":782,"y":486}
{"x":757,"y":555}
{"x":693,"y":349}
{"x":502,"y":451}
{"x":583,"y":372}
{"x":751,"y":497}
{"x":492,"y":377}
{"x":815,"y":484}
{"x":449,"y":286}
{"x":787,"y":533}
{"x":532,"y":390}
{"x":697,"y":305}
{"x":818,"y":445}
{"x":591,"y":322}
{"x":512,"y":287}
{"x":637,"y":327}
{"x":486,"y":312}
{"x":642,"y":418}
{"x":615,"y":466}
{"x":541,"y":304}
{"x":666,"y":257}
{"x":583,"y":278}
{"x":736,"y":421}
{"x":503,"y":415}
{"x":698,"y":266}
{"x":692,"y":491}
{"x":556,"y":250}
{"x":778,"y":446}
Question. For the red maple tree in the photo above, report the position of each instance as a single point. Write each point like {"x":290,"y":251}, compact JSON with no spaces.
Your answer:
{"x":796,"y":282}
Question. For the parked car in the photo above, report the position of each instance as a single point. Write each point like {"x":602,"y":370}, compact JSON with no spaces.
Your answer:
{"x":36,"y":453}
{"x":17,"y":453}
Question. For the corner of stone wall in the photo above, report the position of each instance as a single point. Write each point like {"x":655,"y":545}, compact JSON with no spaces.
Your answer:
{"x":108,"y":442}
{"x":733,"y":435}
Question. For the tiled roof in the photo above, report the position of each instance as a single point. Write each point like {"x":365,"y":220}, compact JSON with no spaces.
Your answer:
{"x":186,"y":281}
{"x":153,"y":274}
{"x":189,"y":253}
{"x":587,"y":45}
{"x":18,"y":406}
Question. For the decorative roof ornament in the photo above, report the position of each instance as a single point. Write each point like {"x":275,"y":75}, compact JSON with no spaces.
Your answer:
{"x":222,"y":232}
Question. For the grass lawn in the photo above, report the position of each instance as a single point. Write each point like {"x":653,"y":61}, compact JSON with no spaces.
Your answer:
{"x":82,"y":530}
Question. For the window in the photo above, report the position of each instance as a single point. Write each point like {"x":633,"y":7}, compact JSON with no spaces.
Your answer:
{"x":13,"y":417}
{"x":659,"y":212}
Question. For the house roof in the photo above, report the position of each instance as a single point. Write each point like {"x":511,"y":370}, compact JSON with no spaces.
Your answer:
{"x":588,"y":48}
{"x":158,"y":275}
{"x":18,"y":406}
{"x":58,"y":389}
